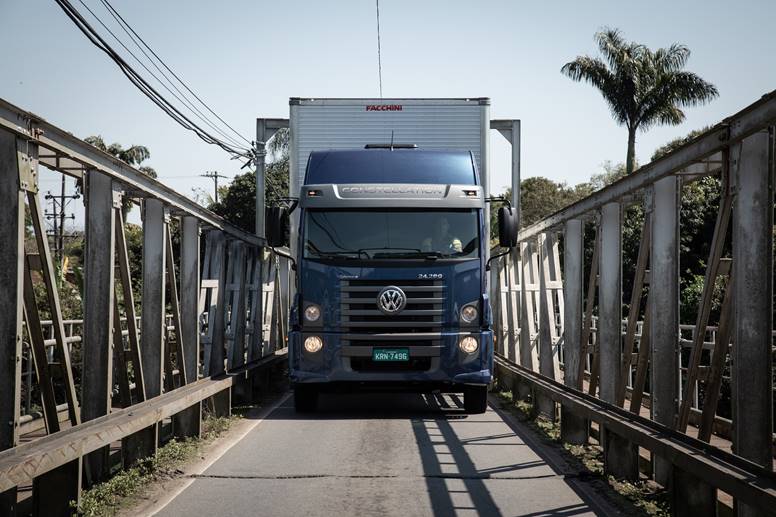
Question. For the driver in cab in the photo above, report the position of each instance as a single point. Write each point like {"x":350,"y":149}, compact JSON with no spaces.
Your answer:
{"x":442,"y":240}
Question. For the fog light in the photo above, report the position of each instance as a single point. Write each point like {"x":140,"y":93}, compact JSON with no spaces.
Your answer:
{"x":312,"y":313}
{"x":314,"y":344}
{"x":468,"y":344}
{"x":469,"y":313}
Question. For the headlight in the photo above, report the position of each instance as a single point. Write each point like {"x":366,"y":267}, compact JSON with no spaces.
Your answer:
{"x":313,"y":344}
{"x":469,"y":313}
{"x":468,"y":344}
{"x":312,"y":313}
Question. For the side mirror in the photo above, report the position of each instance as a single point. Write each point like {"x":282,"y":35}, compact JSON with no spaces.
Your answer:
{"x":277,"y":225}
{"x":507,"y":227}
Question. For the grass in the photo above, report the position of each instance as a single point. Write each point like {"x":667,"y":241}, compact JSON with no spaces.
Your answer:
{"x":107,"y":498}
{"x":644,"y":498}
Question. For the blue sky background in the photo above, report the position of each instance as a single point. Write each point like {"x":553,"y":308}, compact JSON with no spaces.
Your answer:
{"x":246,"y":58}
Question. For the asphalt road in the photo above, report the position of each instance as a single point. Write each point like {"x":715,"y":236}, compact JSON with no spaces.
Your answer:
{"x":385,"y":454}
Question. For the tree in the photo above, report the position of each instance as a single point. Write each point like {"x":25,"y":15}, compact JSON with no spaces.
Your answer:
{"x":237,"y":204}
{"x":133,"y":155}
{"x":642,"y":87}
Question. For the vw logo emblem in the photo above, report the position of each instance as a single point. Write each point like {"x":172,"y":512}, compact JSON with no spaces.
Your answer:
{"x":391,"y":300}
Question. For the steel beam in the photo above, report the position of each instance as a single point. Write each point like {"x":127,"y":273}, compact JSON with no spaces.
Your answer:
{"x":610,"y":300}
{"x":189,"y":272}
{"x":751,"y":119}
{"x":546,"y":322}
{"x":734,"y":475}
{"x":11,"y":301}
{"x":32,"y":128}
{"x":573,"y":429}
{"x":33,"y":459}
{"x":620,"y":457}
{"x":753,"y":301}
{"x":262,"y":135}
{"x":664,"y":309}
{"x":235,"y":342}
{"x":528,"y":356}
{"x":153,"y":308}
{"x":97,"y":383}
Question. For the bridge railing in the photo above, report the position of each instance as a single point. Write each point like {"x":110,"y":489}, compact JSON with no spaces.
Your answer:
{"x":559,"y":311}
{"x":212,"y":310}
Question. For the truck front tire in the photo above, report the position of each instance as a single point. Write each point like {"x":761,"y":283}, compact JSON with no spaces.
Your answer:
{"x":475,"y":399}
{"x":305,"y":398}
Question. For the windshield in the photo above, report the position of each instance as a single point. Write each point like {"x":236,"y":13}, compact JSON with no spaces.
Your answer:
{"x":391,"y":234}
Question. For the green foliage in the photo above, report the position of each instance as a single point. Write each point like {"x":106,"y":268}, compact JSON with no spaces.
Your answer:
{"x":111,"y":496}
{"x":134,"y":236}
{"x":676,"y":143}
{"x":642,"y":87}
{"x":238,"y":203}
{"x":133,"y":155}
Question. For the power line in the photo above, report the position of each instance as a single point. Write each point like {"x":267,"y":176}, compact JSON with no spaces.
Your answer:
{"x":125,"y":24}
{"x":379,"y":56}
{"x":183,"y":101}
{"x":181,"y":96}
{"x":57,"y":215}
{"x":145,"y":87}
{"x":215,"y":175}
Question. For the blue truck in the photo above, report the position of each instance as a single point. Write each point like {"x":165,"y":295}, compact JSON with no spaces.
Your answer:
{"x":391,"y":258}
{"x":391,"y":247}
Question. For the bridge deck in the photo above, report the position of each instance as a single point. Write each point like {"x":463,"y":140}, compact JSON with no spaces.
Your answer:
{"x":386,"y":454}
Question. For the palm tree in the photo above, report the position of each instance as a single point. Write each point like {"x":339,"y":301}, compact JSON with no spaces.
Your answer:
{"x":133,"y":155}
{"x":643,"y":88}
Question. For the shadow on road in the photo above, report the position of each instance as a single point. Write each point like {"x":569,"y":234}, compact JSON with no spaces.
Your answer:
{"x":446,"y":442}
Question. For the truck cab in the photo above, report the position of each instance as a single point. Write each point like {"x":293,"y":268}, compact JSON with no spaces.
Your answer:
{"x":391,"y":250}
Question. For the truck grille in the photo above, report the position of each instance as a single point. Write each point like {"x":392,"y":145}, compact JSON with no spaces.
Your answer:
{"x":422,"y":314}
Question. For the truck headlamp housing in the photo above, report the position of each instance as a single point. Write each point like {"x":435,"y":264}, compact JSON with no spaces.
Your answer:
{"x":469,"y":313}
{"x":313,"y":344}
{"x":312,"y":313}
{"x":468,"y":344}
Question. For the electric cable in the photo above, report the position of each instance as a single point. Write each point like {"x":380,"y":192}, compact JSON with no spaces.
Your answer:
{"x":121,"y":18}
{"x":143,"y":46}
{"x":94,"y":37}
{"x":184,"y":101}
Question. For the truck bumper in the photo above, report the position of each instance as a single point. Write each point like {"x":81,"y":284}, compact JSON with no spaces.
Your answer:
{"x":444,"y":366}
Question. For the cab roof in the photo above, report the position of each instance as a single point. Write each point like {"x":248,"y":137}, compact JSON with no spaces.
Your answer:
{"x":391,"y":166}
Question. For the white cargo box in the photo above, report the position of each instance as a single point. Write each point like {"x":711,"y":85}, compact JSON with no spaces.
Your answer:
{"x":434,"y":124}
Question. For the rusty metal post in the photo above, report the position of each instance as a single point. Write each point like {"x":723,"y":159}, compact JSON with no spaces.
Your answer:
{"x":546,"y":324}
{"x":620,"y":456}
{"x":752,"y":173}
{"x":53,"y":492}
{"x":690,"y":495}
{"x":97,"y":383}
{"x":188,"y":422}
{"x":664,"y":310}
{"x":573,"y":429}
{"x":528,"y":356}
{"x":152,"y":318}
{"x":152,"y":322}
{"x":11,"y":298}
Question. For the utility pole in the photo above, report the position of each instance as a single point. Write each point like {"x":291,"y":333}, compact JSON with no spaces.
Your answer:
{"x":215,"y":175}
{"x":57,"y":214}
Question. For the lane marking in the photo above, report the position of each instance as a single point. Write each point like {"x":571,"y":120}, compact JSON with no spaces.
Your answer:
{"x":215,"y":455}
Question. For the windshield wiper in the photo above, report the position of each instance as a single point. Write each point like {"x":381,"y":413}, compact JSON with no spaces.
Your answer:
{"x":426,"y":255}
{"x":348,"y":255}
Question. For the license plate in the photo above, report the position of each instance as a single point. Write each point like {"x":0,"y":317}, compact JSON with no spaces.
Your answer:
{"x":390,"y":354}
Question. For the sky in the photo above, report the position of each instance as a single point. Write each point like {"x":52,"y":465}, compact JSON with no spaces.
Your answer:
{"x":246,"y":58}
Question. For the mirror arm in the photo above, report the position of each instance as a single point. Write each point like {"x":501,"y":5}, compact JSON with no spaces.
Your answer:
{"x":284,"y":255}
{"x":499,"y":199}
{"x":292,"y":203}
{"x":493,"y":257}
